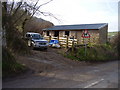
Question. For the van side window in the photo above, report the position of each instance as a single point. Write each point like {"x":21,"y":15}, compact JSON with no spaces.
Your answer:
{"x":28,"y":35}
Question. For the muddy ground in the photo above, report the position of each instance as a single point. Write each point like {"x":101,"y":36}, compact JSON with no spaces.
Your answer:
{"x":41,"y":60}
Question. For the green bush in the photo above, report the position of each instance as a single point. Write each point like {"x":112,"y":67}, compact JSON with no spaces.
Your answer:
{"x":94,"y":53}
{"x":116,"y":44}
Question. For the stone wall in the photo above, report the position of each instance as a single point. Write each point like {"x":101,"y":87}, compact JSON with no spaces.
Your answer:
{"x":103,"y":35}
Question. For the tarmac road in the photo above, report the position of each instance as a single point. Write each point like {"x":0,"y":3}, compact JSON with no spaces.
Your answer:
{"x":68,"y":75}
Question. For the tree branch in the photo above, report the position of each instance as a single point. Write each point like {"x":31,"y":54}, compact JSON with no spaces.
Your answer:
{"x":45,"y":3}
{"x":20,"y":3}
{"x":12,"y":7}
{"x":49,"y":14}
{"x":43,"y":13}
{"x":35,"y":4}
{"x":20,"y":17}
{"x":37,"y":9}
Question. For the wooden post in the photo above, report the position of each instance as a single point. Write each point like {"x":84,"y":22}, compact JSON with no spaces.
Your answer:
{"x":89,"y":40}
{"x":49,"y":38}
{"x":73,"y":45}
{"x":67,"y":42}
{"x":83,"y":41}
{"x":77,"y":41}
{"x":93,"y":40}
{"x":85,"y":47}
{"x":58,"y":38}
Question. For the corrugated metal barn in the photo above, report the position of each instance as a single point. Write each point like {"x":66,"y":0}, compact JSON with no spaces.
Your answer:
{"x":98,"y":32}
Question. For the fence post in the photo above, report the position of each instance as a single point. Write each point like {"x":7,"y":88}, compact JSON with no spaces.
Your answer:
{"x":49,"y":38}
{"x":58,"y":38}
{"x":93,"y":40}
{"x":67,"y":42}
{"x":83,"y":40}
{"x":85,"y":48}
{"x":73,"y":45}
{"x":89,"y":41}
{"x":77,"y":41}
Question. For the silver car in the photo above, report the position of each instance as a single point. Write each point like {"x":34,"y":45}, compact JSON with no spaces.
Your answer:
{"x":35,"y":40}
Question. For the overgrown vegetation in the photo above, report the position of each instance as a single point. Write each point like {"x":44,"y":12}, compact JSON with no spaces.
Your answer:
{"x":116,"y":44}
{"x":105,"y":52}
{"x":95,"y":53}
{"x":9,"y":64}
{"x":15,"y":15}
{"x":15,"y":43}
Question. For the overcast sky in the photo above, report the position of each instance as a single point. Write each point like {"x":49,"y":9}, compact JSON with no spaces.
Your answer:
{"x":83,"y":12}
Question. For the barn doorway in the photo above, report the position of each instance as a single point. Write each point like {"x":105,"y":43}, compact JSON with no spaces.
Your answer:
{"x":56,"y":33}
{"x":67,"y":33}
{"x":48,"y":33}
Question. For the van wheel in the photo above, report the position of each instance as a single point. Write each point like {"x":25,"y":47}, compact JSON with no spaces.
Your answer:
{"x":45,"y":49}
{"x":32,"y":47}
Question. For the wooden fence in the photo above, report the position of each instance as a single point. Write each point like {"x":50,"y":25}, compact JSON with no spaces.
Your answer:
{"x":64,"y":41}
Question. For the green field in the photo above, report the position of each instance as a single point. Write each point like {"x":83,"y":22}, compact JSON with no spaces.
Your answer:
{"x":110,"y":34}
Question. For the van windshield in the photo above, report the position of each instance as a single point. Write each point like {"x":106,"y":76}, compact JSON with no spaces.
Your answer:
{"x":36,"y":36}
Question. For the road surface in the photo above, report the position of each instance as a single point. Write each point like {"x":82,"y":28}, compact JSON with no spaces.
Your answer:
{"x":64,"y":73}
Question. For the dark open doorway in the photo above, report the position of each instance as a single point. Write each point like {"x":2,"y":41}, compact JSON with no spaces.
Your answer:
{"x":47,"y":33}
{"x":67,"y":33}
{"x":56,"y":33}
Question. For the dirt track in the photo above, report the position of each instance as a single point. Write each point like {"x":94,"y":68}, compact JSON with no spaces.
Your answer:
{"x":41,"y":60}
{"x":52,"y":70}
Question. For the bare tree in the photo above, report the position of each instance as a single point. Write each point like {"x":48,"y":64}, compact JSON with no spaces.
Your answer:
{"x":10,"y":10}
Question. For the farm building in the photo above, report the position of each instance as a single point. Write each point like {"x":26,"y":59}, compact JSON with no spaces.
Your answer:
{"x":97,"y":32}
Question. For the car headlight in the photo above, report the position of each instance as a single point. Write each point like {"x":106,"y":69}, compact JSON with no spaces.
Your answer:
{"x":36,"y":43}
{"x":47,"y":43}
{"x":33,"y":42}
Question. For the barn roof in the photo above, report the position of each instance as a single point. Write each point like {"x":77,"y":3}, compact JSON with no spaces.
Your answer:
{"x":77,"y":27}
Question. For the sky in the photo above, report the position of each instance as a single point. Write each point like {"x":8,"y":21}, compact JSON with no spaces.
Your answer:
{"x":69,"y":12}
{"x":82,"y":12}
{"x":119,"y":16}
